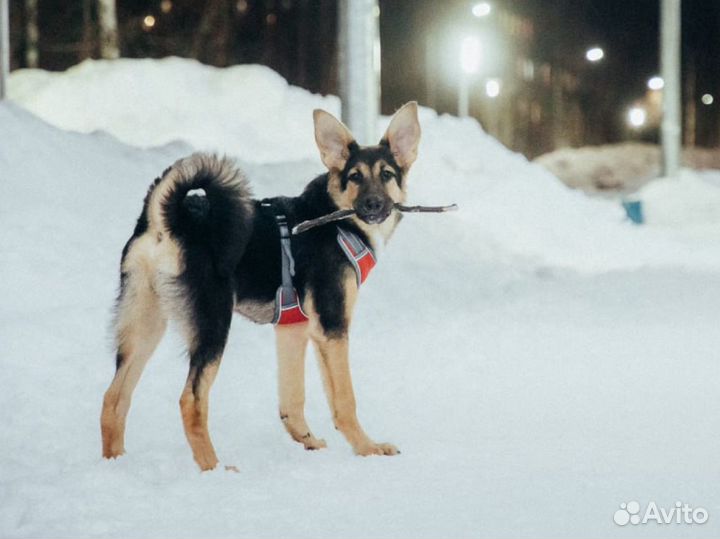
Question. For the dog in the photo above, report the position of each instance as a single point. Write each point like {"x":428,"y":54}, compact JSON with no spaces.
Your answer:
{"x":203,"y":248}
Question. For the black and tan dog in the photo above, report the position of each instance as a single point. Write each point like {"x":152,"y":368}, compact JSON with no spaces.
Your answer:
{"x":203,"y":248}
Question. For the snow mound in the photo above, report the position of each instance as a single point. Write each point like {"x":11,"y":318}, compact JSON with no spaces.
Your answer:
{"x":622,"y":167}
{"x":691,"y":200}
{"x":513,"y":208}
{"x":246,"y":110}
{"x":612,"y":167}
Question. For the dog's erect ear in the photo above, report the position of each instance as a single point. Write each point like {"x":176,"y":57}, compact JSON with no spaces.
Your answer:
{"x":403,"y":134}
{"x":333,"y":140}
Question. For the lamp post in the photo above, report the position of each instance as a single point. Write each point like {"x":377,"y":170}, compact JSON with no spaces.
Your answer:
{"x":360,"y":66}
{"x":4,"y":48}
{"x":470,"y":53}
{"x":670,"y":19}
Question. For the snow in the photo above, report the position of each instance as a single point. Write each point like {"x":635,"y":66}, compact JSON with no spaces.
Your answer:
{"x":692,"y":200}
{"x":537,"y":359}
{"x":624,"y":167}
{"x":251,"y":109}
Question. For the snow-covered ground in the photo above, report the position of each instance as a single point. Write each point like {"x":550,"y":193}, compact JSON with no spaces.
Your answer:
{"x":538,"y":360}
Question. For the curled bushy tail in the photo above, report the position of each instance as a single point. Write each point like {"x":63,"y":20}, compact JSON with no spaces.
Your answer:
{"x":204,"y":202}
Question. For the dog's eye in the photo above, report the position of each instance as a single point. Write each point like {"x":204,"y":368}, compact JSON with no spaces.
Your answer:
{"x":386,"y":175}
{"x":356,"y":177}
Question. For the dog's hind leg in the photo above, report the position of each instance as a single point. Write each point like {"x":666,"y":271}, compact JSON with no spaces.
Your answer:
{"x":194,"y":408}
{"x":291,"y":343}
{"x":209,"y":324}
{"x":140,"y":325}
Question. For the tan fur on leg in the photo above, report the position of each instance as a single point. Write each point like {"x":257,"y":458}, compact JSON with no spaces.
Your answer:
{"x":334,"y":362}
{"x":140,"y":326}
{"x":291,"y":343}
{"x":194,"y":409}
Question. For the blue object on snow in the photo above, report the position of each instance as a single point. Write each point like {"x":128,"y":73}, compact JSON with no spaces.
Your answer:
{"x":634,"y":210}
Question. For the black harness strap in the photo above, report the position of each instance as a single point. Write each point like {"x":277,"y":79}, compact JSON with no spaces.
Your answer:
{"x":287,"y":301}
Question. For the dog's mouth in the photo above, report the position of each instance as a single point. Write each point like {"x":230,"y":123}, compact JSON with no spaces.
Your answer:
{"x":374,"y":218}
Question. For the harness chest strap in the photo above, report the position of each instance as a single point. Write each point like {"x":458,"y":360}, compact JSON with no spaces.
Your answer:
{"x":358,"y":253}
{"x":287,"y":302}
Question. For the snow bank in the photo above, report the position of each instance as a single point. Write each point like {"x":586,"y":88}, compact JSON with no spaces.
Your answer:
{"x":691,"y":200}
{"x":246,"y":110}
{"x":513,"y":208}
{"x":612,"y":167}
{"x":623,"y":167}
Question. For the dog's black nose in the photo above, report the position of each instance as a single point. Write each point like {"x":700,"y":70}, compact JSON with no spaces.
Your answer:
{"x":372,"y":204}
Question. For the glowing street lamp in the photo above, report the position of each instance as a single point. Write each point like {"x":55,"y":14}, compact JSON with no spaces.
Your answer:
{"x":492,"y":88}
{"x":656,"y":83}
{"x":148,"y":22}
{"x":482,"y":9}
{"x":637,"y":116}
{"x":470,"y":52}
{"x":594,"y":54}
{"x":707,"y":99}
{"x":470,"y":57}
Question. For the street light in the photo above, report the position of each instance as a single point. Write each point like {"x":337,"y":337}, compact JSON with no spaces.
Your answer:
{"x":595,"y":54}
{"x":470,"y":52}
{"x":148,"y":22}
{"x":470,"y":56}
{"x":707,"y":99}
{"x":481,"y":9}
{"x":656,"y":83}
{"x":492,"y":88}
{"x":637,"y":116}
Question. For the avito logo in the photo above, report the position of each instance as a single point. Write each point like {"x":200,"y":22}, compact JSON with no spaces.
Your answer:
{"x":680,"y":513}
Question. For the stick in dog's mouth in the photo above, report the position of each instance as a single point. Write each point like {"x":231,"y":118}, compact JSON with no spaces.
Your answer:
{"x":344,"y":214}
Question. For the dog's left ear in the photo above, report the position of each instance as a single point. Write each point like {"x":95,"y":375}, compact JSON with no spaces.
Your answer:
{"x":333,"y":140}
{"x":403,"y":134}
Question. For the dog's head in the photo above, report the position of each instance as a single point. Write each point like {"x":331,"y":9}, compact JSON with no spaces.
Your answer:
{"x":368,"y":179}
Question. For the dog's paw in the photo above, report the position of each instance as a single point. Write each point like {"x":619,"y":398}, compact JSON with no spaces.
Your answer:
{"x":313,"y":444}
{"x":376,"y":449}
{"x":113,"y":454}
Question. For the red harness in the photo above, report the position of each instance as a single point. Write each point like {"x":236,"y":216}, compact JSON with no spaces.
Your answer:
{"x":287,"y":302}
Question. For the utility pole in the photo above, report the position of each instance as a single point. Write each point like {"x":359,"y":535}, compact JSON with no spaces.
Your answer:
{"x":359,"y":57}
{"x":690,"y":105}
{"x":463,"y":107}
{"x":670,"y":24}
{"x":4,"y":48}
{"x":32,"y":33}
{"x":107,"y":17}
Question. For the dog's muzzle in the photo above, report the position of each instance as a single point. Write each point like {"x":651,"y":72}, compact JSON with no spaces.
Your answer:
{"x":374,"y":209}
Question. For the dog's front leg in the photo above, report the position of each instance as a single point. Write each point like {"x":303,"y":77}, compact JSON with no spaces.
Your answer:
{"x":291,"y":343}
{"x":335,"y":368}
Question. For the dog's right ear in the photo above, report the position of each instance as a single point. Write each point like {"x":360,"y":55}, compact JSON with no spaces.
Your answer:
{"x":333,"y":140}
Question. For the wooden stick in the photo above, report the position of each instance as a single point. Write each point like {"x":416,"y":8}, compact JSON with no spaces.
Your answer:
{"x":344,"y":214}
{"x":329,"y":218}
{"x":426,"y":209}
